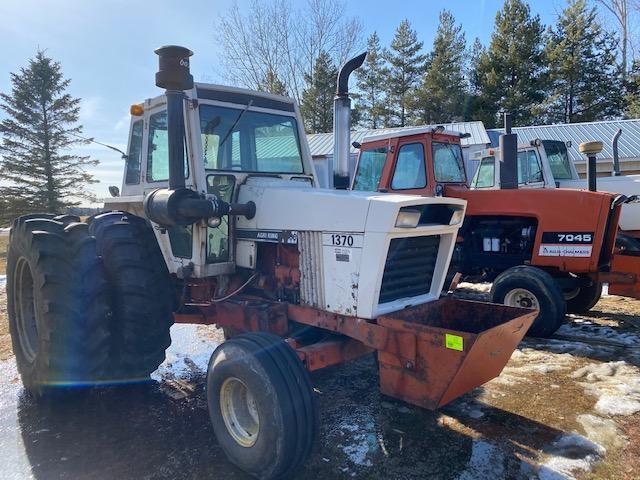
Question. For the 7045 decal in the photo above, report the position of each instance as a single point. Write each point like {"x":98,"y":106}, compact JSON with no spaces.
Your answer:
{"x":574,"y":238}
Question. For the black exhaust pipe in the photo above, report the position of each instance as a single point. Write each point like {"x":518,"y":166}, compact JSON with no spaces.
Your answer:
{"x":616,"y":159}
{"x":508,"y":144}
{"x":342,"y":122}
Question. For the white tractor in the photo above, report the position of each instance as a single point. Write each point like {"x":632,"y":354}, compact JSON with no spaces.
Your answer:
{"x":219,"y":221}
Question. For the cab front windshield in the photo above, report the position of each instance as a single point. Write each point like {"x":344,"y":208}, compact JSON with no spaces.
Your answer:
{"x":249,"y":141}
{"x":558,"y":159}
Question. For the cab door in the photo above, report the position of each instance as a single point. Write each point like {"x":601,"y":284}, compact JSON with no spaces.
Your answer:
{"x":408,"y":172}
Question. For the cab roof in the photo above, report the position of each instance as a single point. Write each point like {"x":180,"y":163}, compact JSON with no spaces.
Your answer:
{"x":411,"y":131}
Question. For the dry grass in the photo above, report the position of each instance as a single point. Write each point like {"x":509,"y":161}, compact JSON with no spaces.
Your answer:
{"x":4,"y":243}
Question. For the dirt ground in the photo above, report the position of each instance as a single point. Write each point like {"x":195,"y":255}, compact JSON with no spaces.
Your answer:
{"x":566,"y":407}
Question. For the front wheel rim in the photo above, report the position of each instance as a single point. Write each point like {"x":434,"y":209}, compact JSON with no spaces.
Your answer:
{"x":239,"y":412}
{"x":523,"y":298}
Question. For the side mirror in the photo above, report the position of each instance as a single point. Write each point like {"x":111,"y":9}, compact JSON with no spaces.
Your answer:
{"x":114,"y":191}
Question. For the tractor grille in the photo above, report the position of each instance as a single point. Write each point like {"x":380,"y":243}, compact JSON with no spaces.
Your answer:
{"x":409,"y":267}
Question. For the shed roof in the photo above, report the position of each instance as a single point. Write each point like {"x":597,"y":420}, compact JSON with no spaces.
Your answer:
{"x":321,"y":144}
{"x":628,"y":145}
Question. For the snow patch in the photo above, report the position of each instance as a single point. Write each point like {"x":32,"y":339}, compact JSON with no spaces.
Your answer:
{"x":580,"y":328}
{"x":476,"y":287}
{"x":3,"y":280}
{"x":486,"y":462}
{"x":188,"y":354}
{"x":569,"y":454}
{"x":615,"y":384}
{"x":357,"y":438}
{"x":9,"y":383}
{"x":525,"y":361}
{"x":603,"y":431}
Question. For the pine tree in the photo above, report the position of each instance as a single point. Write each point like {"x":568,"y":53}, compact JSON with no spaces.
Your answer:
{"x":510,"y":71}
{"x":632,"y":97}
{"x":272,"y":84}
{"x":37,"y":170}
{"x":371,"y":84}
{"x":474,"y":108}
{"x":441,"y":95}
{"x":317,"y":98}
{"x":583,"y":71}
{"x":406,"y":66}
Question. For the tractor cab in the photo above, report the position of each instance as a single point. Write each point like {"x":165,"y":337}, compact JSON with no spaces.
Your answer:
{"x":418,"y":161}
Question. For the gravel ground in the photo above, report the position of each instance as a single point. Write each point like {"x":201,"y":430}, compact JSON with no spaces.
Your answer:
{"x":568,"y":407}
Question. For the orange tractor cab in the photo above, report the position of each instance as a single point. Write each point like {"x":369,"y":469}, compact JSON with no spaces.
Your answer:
{"x":547,"y":249}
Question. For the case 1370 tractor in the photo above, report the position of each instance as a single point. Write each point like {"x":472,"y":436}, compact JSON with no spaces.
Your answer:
{"x":542,"y":248}
{"x":220,"y":222}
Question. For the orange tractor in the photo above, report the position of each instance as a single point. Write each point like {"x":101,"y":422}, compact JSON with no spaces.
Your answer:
{"x":546,"y":249}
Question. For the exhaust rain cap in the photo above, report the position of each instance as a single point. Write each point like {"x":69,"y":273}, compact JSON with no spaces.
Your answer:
{"x":173,"y":70}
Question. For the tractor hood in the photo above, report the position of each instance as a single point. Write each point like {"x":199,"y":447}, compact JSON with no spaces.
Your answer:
{"x":291,"y":205}
{"x":626,"y":185}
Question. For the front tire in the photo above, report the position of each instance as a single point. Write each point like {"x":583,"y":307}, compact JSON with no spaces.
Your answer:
{"x":530,"y":287}
{"x":261,"y":405}
{"x":58,"y":304}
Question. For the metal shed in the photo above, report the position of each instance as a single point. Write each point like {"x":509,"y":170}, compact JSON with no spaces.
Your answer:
{"x":576,"y":133}
{"x":321,"y":146}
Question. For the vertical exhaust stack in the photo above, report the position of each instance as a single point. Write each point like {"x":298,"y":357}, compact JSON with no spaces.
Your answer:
{"x":508,"y":143}
{"x":178,"y":205}
{"x":616,"y":158}
{"x":591,"y":149}
{"x":173,"y":75}
{"x":342,"y":123}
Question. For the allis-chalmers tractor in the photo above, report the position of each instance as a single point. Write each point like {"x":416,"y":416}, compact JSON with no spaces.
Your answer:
{"x":220,"y":222}
{"x":546,"y":249}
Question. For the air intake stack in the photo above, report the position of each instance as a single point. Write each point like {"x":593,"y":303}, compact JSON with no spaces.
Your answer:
{"x":508,"y":144}
{"x":178,"y":205}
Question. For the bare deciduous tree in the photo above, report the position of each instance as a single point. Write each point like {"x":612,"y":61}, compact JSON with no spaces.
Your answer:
{"x":272,"y":38}
{"x":620,"y":10}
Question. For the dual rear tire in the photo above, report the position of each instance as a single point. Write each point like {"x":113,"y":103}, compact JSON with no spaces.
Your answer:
{"x":87,"y":303}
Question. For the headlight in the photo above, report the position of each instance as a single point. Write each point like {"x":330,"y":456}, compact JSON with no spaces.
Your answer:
{"x":456,"y":217}
{"x":408,"y":218}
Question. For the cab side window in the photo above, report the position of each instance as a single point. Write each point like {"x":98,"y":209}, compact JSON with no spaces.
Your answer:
{"x":410,"y":168}
{"x":370,"y":166}
{"x":485,"y":176}
{"x":134,"y":157}
{"x":529,"y":168}
{"x":158,"y":149}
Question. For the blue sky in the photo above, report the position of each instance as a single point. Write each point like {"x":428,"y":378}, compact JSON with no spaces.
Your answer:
{"x":106,"y":48}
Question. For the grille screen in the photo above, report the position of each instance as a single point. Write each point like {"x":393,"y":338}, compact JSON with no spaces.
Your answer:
{"x":409,"y":267}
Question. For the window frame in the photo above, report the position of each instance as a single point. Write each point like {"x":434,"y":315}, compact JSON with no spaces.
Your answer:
{"x":433,"y":160}
{"x":354,"y":183}
{"x":187,"y":170}
{"x":141,"y":153}
{"x":251,"y":143}
{"x":490,"y":160}
{"x":528,"y":152}
{"x":424,"y":165}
